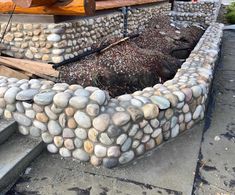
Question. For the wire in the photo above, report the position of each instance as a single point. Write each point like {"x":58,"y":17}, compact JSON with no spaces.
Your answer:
{"x":9,"y":20}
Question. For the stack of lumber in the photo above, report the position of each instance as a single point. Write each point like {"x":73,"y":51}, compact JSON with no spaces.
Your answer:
{"x":26,"y":69}
{"x":66,"y":7}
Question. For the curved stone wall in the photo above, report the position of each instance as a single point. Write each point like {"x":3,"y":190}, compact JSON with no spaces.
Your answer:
{"x":86,"y":124}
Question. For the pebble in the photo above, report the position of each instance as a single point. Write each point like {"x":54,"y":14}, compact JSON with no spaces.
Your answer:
{"x":44,"y":98}
{"x":81,"y":133}
{"x":56,"y":109}
{"x":62,"y":120}
{"x":78,"y":143}
{"x":88,"y":146}
{"x":148,"y":129}
{"x":114,"y":151}
{"x":150,"y":144}
{"x":81,"y":155}
{"x":23,"y":130}
{"x":54,"y":38}
{"x":71,"y":123}
{"x":26,"y":95}
{"x":188,"y":94}
{"x":50,"y":114}
{"x":19,"y":107}
{"x":92,"y":134}
{"x":140,"y":150}
{"x":126,"y":145}
{"x":126,"y":157}
{"x":46,"y":137}
{"x":82,"y":119}
{"x":121,"y":139}
{"x":101,"y":122}
{"x":100,"y":151}
{"x":10,"y":95}
{"x":133,"y":130}
{"x":113,"y":131}
{"x":82,"y":93}
{"x":197,"y":91}
{"x":40,"y":125}
{"x":110,"y":162}
{"x":68,"y":143}
{"x":121,"y":118}
{"x":58,"y":141}
{"x":136,"y":102}
{"x":197,"y":112}
{"x":150,"y":111}
{"x":69,"y":111}
{"x":162,"y":102}
{"x":64,"y":152}
{"x":54,"y":127}
{"x":187,"y":117}
{"x":98,"y":96}
{"x":78,"y":102}
{"x":180,"y":95}
{"x":42,"y":117}
{"x":52,"y":148}
{"x":22,"y":119}
{"x":105,"y":139}
{"x":175,"y":130}
{"x":93,"y":109}
{"x":156,"y":133}
{"x":61,"y":99}
{"x":3,"y":91}
{"x":136,"y":113}
{"x":30,"y":113}
{"x":34,"y":131}
{"x":68,"y":133}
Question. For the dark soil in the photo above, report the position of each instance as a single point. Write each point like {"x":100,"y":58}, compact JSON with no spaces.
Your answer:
{"x":137,"y":63}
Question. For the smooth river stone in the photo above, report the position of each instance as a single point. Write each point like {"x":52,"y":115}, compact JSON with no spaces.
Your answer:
{"x":110,"y":162}
{"x":197,"y":91}
{"x":162,"y":102}
{"x":88,"y":146}
{"x":40,"y":125}
{"x":92,"y":109}
{"x":126,"y":97}
{"x":44,"y":98}
{"x":136,"y":113}
{"x":68,"y":143}
{"x":68,"y":133}
{"x":150,"y":111}
{"x":156,"y":132}
{"x":185,"y":108}
{"x":58,"y":141}
{"x":81,"y":155}
{"x":126,"y":145}
{"x":101,"y":122}
{"x":169,"y":113}
{"x":62,"y":120}
{"x":27,"y":94}
{"x":42,"y":117}
{"x":174,"y":121}
{"x":78,"y":102}
{"x":82,"y":119}
{"x":22,"y":119}
{"x":19,"y":107}
{"x":56,"y":109}
{"x":54,"y":127}
{"x":100,"y":151}
{"x":133,"y":130}
{"x":78,"y":143}
{"x":148,"y":129}
{"x":113,"y":131}
{"x":98,"y":96}
{"x":46,"y":137}
{"x":180,"y":95}
{"x":60,"y":86}
{"x":105,"y":139}
{"x":52,"y":148}
{"x":188,"y":117}
{"x":114,"y":151}
{"x":10,"y":95}
{"x":172,"y":98}
{"x":136,"y":102}
{"x":64,"y":152}
{"x":81,"y":133}
{"x":50,"y":114}
{"x":197,"y":112}
{"x":121,"y":139}
{"x":82,"y":92}
{"x":2,"y":103}
{"x":121,"y":118}
{"x":3,"y":91}
{"x":188,"y":94}
{"x":30,"y":113}
{"x":34,"y":131}
{"x":175,"y":131}
{"x":61,"y":99}
{"x":126,"y":157}
{"x":23,"y":130}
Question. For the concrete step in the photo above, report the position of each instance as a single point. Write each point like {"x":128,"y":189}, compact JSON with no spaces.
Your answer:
{"x":7,"y":128}
{"x":15,"y":155}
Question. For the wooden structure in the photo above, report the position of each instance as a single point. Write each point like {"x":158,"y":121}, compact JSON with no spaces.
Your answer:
{"x":66,"y":7}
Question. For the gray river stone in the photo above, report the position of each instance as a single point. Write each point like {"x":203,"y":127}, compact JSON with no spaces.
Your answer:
{"x":44,"y":98}
{"x":162,"y":102}
{"x":27,"y":94}
{"x":54,"y":127}
{"x":82,"y":119}
{"x":10,"y":95}
{"x":22,"y":119}
{"x":126,"y":157}
{"x":81,"y":155}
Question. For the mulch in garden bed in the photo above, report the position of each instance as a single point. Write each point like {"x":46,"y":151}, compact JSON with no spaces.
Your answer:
{"x":136,"y":63}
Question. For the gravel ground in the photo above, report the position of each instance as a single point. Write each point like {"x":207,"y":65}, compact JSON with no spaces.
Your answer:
{"x":136,"y":63}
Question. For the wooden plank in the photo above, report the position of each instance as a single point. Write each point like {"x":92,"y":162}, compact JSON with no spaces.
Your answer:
{"x":111,"y":4}
{"x":33,"y":3}
{"x":71,"y":7}
{"x":37,"y":68}
{"x":8,"y":72}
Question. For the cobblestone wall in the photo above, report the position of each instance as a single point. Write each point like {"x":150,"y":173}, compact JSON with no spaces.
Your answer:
{"x":88,"y":125}
{"x":203,"y":11}
{"x":58,"y":42}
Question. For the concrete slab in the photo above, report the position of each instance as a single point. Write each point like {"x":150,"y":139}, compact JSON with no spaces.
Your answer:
{"x":217,"y":164}
{"x":15,"y":155}
{"x":7,"y":128}
{"x":169,"y":170}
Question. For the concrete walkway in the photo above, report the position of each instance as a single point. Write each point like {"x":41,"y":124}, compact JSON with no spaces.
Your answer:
{"x":201,"y":161}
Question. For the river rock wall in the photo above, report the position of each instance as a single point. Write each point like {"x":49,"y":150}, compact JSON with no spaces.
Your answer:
{"x":50,"y":42}
{"x":88,"y":125}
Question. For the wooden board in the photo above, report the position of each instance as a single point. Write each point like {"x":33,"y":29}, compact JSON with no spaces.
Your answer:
{"x":8,"y":72}
{"x":37,"y":68}
{"x":33,"y":3}
{"x":104,"y":4}
{"x":71,"y":7}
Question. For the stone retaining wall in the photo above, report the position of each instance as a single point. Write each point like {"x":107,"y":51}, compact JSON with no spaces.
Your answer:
{"x":88,"y":125}
{"x":203,"y":11}
{"x":58,"y":42}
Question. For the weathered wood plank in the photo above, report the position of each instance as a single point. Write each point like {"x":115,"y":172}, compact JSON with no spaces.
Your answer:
{"x":33,"y":3}
{"x":72,"y":7}
{"x":8,"y":72}
{"x":37,"y":68}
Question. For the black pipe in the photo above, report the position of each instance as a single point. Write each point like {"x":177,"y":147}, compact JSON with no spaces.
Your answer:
{"x":85,"y":54}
